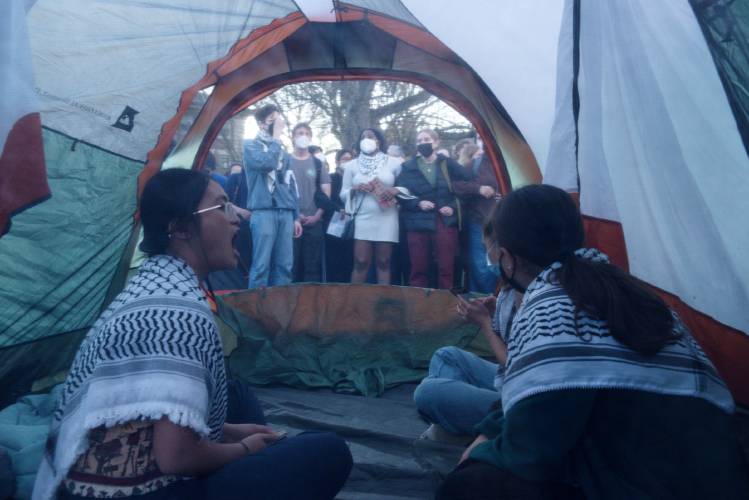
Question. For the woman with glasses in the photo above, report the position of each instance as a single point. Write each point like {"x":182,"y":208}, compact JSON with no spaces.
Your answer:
{"x":144,"y":408}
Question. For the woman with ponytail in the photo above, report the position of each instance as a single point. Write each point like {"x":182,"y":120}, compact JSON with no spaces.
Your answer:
{"x":605,"y":393}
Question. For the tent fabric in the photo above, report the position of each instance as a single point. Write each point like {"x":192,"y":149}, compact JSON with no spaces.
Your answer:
{"x":349,"y":338}
{"x":660,"y":162}
{"x":726,"y":29}
{"x":23,"y":180}
{"x":64,"y":252}
{"x":653,"y":124}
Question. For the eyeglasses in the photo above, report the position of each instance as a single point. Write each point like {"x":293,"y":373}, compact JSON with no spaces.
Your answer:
{"x":227,"y":207}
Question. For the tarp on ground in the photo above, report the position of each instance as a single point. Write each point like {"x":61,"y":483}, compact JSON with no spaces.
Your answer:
{"x":349,"y":338}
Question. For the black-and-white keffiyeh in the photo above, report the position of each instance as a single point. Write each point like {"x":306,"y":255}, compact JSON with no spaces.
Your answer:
{"x":552,"y":346}
{"x":368,"y":165}
{"x":154,"y":352}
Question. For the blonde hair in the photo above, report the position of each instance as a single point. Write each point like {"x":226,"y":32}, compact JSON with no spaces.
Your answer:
{"x":429,"y":132}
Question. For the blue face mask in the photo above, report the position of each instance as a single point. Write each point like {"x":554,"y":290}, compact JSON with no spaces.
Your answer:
{"x":497,"y":270}
{"x":493,"y":267}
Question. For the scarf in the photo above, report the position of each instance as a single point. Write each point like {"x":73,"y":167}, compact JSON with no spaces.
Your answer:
{"x":272,"y":177}
{"x":554,"y":346}
{"x":154,"y":352}
{"x":368,"y":165}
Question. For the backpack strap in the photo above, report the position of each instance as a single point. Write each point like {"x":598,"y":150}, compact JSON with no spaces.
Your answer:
{"x":446,"y":175}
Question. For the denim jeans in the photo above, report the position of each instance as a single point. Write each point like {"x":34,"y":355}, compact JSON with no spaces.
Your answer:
{"x":458,"y":391}
{"x":480,"y":277}
{"x":272,"y":247}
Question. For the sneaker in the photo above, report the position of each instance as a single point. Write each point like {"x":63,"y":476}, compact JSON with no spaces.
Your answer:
{"x":436,"y":432}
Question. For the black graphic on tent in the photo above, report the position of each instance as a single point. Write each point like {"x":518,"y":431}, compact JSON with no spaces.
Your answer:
{"x":126,"y":121}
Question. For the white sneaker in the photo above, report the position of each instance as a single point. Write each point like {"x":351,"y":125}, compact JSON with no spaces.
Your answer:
{"x":436,"y":432}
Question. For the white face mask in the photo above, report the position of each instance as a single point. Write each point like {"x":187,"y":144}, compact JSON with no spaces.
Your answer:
{"x":368,"y":146}
{"x":302,"y":142}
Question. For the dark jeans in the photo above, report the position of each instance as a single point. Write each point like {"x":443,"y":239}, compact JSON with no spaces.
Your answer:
{"x":474,"y":480}
{"x":311,"y":465}
{"x":443,"y":244}
{"x":308,"y":254}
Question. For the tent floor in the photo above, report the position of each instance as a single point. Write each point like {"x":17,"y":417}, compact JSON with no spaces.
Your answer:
{"x":390,"y":461}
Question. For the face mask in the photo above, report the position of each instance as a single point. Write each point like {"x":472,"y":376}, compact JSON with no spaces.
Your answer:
{"x":425,"y":149}
{"x":368,"y":146}
{"x":498,"y":271}
{"x":302,"y":142}
{"x":494,"y":267}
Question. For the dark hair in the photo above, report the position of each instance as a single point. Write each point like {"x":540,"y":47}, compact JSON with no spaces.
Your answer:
{"x":314,"y":149}
{"x":265,"y":111}
{"x":301,"y":125}
{"x":339,"y":154}
{"x":542,"y":224}
{"x":378,"y":134}
{"x":170,"y":195}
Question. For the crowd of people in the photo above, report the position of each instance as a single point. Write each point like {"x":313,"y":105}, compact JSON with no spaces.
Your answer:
{"x":598,"y":390}
{"x":416,"y":221}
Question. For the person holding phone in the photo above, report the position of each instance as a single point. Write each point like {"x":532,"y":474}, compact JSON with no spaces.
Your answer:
{"x":605,"y":393}
{"x":461,"y":387}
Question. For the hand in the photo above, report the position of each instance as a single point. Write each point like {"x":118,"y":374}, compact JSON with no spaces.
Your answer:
{"x":364,"y":187}
{"x":446,"y":211}
{"x":426,"y":205}
{"x":242,"y":213}
{"x":311,"y":220}
{"x":257,"y":442}
{"x":278,"y":126}
{"x":489,"y":302}
{"x":486,"y":191}
{"x":480,"y":439}
{"x":303,"y":220}
{"x":236,"y":432}
{"x":297,"y":229}
{"x":474,"y":311}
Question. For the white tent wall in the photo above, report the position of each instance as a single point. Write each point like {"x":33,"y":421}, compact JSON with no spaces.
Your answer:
{"x":93,"y":60}
{"x":512,"y":46}
{"x":655,"y":119}
{"x":19,"y":98}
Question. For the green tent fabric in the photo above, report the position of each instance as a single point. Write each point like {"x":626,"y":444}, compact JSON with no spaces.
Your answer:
{"x":350,"y":338}
{"x":726,"y":29}
{"x":23,"y":432}
{"x":64,"y":253}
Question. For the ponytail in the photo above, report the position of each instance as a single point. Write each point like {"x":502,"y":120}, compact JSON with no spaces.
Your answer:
{"x":635,"y":316}
{"x":542,"y":224}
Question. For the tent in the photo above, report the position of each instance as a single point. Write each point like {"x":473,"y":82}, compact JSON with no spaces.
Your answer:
{"x":637,"y":107}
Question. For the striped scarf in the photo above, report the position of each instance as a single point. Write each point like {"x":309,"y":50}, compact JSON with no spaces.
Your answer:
{"x":154,"y":352}
{"x":554,"y":346}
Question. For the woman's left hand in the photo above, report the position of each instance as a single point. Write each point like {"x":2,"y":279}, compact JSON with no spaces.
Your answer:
{"x":446,"y":211}
{"x":474,"y":311}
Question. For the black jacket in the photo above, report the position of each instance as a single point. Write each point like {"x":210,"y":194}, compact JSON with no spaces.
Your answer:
{"x":236,"y":189}
{"x":411,"y":178}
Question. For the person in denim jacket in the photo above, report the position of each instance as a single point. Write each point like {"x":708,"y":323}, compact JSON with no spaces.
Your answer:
{"x":272,"y":199}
